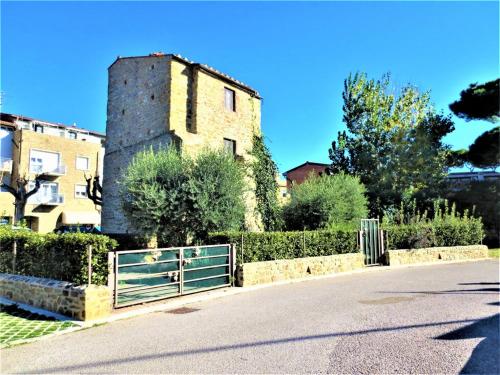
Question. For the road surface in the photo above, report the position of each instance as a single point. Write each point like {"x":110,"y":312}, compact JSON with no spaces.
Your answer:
{"x":425,"y":319}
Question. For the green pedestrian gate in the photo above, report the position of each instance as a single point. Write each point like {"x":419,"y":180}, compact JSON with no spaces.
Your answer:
{"x":371,"y":241}
{"x":153,"y":274}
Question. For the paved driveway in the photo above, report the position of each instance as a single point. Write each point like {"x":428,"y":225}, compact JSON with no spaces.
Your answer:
{"x":429,"y":319}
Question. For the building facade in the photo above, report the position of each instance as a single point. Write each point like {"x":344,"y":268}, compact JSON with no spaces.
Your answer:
{"x":164,"y":99}
{"x":461,"y":180}
{"x":300,"y":173}
{"x":64,"y":155}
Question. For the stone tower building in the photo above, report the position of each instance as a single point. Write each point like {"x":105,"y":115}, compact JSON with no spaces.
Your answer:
{"x":163,"y":98}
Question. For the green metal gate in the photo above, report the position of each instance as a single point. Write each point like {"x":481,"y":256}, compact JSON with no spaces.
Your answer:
{"x":371,"y":241}
{"x":153,"y":274}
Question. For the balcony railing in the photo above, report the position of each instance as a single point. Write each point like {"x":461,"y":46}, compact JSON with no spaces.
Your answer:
{"x":47,"y":200}
{"x":6,"y":165}
{"x":60,"y":170}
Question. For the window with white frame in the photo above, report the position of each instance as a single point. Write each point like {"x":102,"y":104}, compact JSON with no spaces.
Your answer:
{"x":48,"y":192}
{"x":80,"y":191}
{"x":82,"y":163}
{"x":43,"y":161}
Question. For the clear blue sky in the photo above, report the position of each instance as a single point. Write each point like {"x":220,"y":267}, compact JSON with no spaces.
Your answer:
{"x":54,"y":57}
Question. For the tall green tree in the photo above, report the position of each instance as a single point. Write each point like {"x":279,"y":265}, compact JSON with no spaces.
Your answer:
{"x":393,"y":142}
{"x":484,"y":152}
{"x":265,"y":171}
{"x":479,"y":102}
{"x":179,"y":199}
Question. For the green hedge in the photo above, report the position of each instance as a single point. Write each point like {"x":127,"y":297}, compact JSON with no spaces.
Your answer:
{"x":262,"y":246}
{"x":56,"y":256}
{"x":431,"y":234}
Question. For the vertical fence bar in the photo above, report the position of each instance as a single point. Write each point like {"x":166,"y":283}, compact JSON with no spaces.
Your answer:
{"x":89,"y":264}
{"x":14,"y":256}
{"x":181,"y":271}
{"x":116,"y":256}
{"x":242,"y":260}
{"x":233,"y":264}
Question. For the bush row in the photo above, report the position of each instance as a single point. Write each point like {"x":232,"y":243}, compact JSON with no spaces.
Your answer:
{"x":430,"y":234}
{"x":56,"y":256}
{"x":264,"y":246}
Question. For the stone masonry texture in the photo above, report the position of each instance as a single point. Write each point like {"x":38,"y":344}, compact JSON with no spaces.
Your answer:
{"x":161,"y":100}
{"x":86,"y":302}
{"x":287,"y":269}
{"x":436,"y":254}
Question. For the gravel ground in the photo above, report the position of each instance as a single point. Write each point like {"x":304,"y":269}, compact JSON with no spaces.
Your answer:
{"x":426,"y":319}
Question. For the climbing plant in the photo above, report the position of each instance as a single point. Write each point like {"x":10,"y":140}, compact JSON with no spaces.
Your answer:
{"x":264,"y":171}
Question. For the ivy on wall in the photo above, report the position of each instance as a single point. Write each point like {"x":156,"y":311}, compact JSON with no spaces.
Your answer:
{"x":264,"y":170}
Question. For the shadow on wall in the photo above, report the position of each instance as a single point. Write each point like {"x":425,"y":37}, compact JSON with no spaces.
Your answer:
{"x":484,"y":358}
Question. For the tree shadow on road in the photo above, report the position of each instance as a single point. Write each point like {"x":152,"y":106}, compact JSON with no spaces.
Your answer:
{"x":485,"y":357}
{"x":179,"y":353}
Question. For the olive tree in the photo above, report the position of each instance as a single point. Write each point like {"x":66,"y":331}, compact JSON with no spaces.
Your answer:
{"x":180,"y":199}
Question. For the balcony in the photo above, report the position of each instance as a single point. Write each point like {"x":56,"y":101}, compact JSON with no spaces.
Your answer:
{"x":59,"y":170}
{"x":6,"y":165}
{"x":47,"y":199}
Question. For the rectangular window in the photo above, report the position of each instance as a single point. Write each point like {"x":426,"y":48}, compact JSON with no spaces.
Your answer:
{"x":230,"y":146}
{"x":43,"y":161}
{"x":72,"y":135}
{"x":48,"y":193}
{"x":82,"y":163}
{"x":80,"y":191}
{"x":230,"y":99}
{"x":38,"y":128}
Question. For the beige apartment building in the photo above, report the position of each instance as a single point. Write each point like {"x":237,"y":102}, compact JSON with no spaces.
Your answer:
{"x":164,"y":99}
{"x":64,"y":155}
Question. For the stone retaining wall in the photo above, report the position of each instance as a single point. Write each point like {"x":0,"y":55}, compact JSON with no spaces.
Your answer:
{"x":79,"y":302}
{"x":436,"y":254}
{"x":286,"y":269}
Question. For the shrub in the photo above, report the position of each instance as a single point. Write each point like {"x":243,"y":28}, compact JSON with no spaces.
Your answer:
{"x":262,"y":246}
{"x":56,"y":256}
{"x":326,"y":201}
{"x":446,"y":228}
{"x":169,"y":195}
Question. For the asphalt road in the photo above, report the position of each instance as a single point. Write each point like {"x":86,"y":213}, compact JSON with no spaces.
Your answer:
{"x":428,"y":319}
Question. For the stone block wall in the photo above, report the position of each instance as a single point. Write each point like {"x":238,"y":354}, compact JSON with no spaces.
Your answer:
{"x":287,"y":269}
{"x":78,"y":302}
{"x":436,"y":254}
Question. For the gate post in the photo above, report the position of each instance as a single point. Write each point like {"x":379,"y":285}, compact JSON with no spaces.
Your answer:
{"x":111,"y":270}
{"x":233,"y":264}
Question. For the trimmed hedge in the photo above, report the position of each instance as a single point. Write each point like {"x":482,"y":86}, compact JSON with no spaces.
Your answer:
{"x":431,"y":234}
{"x":262,"y":246}
{"x":56,"y":256}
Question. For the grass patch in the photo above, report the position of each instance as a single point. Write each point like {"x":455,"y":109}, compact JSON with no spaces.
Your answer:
{"x":494,"y":253}
{"x":19,"y":325}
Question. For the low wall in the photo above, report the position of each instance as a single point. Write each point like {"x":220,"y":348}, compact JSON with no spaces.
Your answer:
{"x":286,"y":269}
{"x":436,"y":254}
{"x":79,"y":302}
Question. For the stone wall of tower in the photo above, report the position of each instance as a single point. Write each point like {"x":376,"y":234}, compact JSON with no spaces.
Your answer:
{"x":137,"y":118}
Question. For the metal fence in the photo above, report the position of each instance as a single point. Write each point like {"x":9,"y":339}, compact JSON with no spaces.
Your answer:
{"x":153,"y":274}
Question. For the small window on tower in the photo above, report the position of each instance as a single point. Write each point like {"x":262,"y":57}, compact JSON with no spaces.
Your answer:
{"x":230,"y":146}
{"x":230,"y":99}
